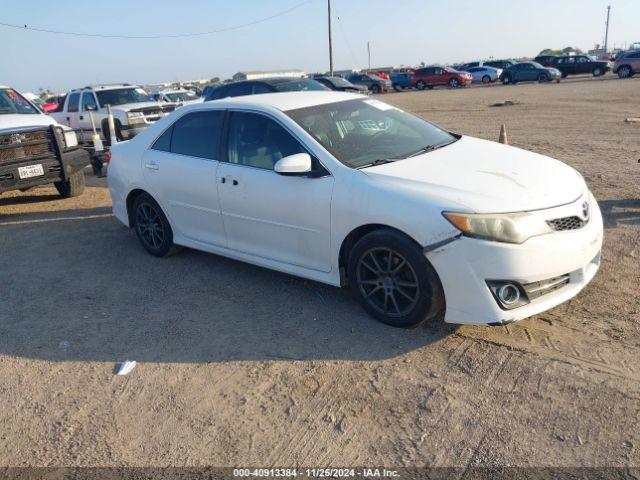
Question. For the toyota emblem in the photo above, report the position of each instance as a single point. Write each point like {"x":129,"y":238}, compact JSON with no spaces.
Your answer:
{"x":585,"y":210}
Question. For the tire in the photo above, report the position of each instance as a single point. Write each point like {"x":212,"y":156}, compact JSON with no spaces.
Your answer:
{"x":421,"y":85}
{"x":486,"y":79}
{"x":376,"y":89}
{"x":625,"y":71}
{"x":393,"y":281}
{"x":72,"y":187}
{"x":564,"y":75}
{"x":543,"y":78}
{"x":454,"y":83}
{"x":506,"y":80}
{"x":398,"y":88}
{"x":152,"y":227}
{"x":597,"y":72}
{"x":429,"y":87}
{"x":107,"y":133}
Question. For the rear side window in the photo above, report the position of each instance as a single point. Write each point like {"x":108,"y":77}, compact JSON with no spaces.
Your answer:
{"x":74,"y":102}
{"x":196,"y":134}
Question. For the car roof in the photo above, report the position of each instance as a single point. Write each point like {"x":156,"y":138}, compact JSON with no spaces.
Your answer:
{"x":284,"y":101}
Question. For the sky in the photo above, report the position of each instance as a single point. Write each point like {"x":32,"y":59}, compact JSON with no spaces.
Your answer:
{"x":401,"y":32}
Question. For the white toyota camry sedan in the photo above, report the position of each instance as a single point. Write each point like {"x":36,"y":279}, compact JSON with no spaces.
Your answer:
{"x":343,"y":189}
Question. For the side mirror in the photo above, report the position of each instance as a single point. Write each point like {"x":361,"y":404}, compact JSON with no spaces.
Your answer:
{"x":90,"y":108}
{"x":298,"y":164}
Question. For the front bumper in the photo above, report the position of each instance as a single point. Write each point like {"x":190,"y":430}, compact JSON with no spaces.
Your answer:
{"x":466,"y":264}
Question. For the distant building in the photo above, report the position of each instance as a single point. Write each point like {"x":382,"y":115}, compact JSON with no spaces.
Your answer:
{"x":267,"y":74}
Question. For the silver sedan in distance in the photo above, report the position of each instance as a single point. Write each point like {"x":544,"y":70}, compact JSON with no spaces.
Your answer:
{"x":485,"y":74}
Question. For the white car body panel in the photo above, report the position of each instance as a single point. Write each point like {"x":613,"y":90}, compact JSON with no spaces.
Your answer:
{"x":297,"y":225}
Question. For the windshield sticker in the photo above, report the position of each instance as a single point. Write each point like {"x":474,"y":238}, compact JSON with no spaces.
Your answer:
{"x":379,"y":105}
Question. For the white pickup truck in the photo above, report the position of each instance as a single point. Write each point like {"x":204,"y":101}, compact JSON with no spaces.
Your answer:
{"x":133,"y":110}
{"x":35,"y":150}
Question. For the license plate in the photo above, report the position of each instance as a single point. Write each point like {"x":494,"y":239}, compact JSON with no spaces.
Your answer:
{"x":30,"y":171}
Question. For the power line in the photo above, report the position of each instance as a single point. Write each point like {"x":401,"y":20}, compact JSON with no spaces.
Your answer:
{"x":154,"y":37}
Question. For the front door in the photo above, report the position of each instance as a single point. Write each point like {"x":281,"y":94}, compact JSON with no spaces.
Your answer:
{"x":84,"y":120}
{"x":181,"y":170}
{"x":276,"y":217}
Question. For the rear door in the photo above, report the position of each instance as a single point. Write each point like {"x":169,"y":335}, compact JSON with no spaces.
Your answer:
{"x":181,"y":168}
{"x":70,"y":115}
{"x":440,"y":76}
{"x":84,"y":120}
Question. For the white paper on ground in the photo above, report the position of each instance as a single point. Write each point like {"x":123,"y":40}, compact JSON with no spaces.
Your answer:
{"x":125,"y":367}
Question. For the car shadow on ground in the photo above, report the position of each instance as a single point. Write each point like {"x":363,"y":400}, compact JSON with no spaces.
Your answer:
{"x":620,"y":212}
{"x":80,"y":288}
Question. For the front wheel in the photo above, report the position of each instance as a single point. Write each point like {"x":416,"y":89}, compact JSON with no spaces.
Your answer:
{"x":506,"y":80}
{"x":543,"y":78}
{"x":454,"y":83}
{"x":597,"y":72}
{"x":624,"y":71}
{"x":393,"y":280}
{"x":152,"y":227}
{"x":421,"y":85}
{"x":486,"y":79}
{"x":73,"y":186}
{"x":376,"y":88}
{"x":398,"y":88}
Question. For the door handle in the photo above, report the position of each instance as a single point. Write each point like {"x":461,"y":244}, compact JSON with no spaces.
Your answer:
{"x":81,"y":117}
{"x":152,"y":166}
{"x":235,"y":182}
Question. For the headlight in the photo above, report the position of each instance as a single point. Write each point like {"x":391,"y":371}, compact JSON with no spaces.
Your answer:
{"x":70,"y":139}
{"x":502,"y":227}
{"x":134,"y":114}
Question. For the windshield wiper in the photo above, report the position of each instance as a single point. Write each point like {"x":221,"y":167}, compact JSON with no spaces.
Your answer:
{"x":429,"y":148}
{"x":380,"y":161}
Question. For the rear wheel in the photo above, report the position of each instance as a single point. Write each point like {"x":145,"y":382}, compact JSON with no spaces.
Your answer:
{"x":625,"y":71}
{"x":375,"y":88}
{"x":486,"y":79}
{"x":152,"y":227}
{"x":73,"y":186}
{"x":393,"y":280}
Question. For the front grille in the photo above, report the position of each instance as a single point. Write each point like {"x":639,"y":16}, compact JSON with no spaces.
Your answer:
{"x":537,"y":289}
{"x":566,"y":223}
{"x":28,"y":145}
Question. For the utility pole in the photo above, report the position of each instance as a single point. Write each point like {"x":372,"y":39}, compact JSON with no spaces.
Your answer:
{"x":369,"y":53}
{"x":330,"y":40}
{"x":606,"y":32}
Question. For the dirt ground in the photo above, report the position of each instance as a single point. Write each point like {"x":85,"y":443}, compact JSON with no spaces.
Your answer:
{"x":242,"y":366}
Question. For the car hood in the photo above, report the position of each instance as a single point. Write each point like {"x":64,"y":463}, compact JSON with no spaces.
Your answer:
{"x":485,"y":177}
{"x":128,"y":107}
{"x":14,"y":120}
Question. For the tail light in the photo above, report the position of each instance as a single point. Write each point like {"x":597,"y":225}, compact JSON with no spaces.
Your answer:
{"x":107,"y":157}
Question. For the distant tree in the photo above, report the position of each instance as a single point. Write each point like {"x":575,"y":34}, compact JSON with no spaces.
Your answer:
{"x":215,"y":80}
{"x":564,"y":51}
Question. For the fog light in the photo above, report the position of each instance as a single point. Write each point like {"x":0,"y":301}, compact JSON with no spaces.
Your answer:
{"x":508,"y":294}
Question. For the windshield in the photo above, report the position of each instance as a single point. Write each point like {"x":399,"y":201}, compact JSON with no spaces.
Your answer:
{"x":120,"y":96}
{"x":340,"y":82}
{"x":303,"y":84}
{"x":12,"y":102}
{"x":180,"y":96}
{"x":362,"y":131}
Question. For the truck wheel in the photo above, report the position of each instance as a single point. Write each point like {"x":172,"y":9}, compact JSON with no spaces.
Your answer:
{"x":376,"y":88}
{"x":107,"y":133}
{"x":73,"y":186}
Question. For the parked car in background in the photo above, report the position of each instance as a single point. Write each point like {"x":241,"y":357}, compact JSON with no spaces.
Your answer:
{"x":485,"y":74}
{"x":466,"y":66}
{"x":133,"y":110}
{"x":351,"y":191}
{"x":401,"y":80}
{"x":627,"y":64}
{"x":546,"y":60}
{"x":581,"y":64}
{"x":177,"y":96}
{"x":529,"y":72}
{"x":340,"y":84}
{"x":264,"y":85}
{"x":373,"y":82}
{"x":54,"y":103}
{"x":434,"y":76}
{"x":36,"y":150}
{"x":208,"y":89}
{"x":501,"y":64}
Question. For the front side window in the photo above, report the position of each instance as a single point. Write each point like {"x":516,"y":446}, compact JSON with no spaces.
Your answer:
{"x":363,"y":131}
{"x":88,"y":100}
{"x":74,"y":102}
{"x":196,"y":134}
{"x":300,"y":85}
{"x":257,"y":141}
